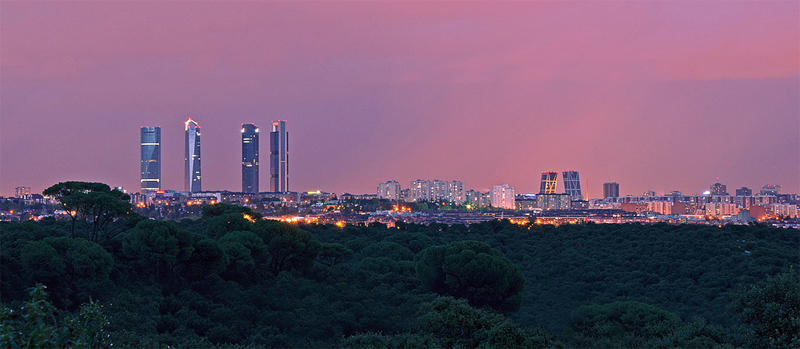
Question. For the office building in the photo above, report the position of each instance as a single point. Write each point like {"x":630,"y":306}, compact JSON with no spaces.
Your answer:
{"x":719,"y":189}
{"x":549,"y":181}
{"x":553,"y":201}
{"x":503,"y":197}
{"x":279,"y":158}
{"x":150,"y":177}
{"x":191,"y":177}
{"x":389,"y":190}
{"x":610,"y":190}
{"x":249,"y":158}
{"x":572,"y":185}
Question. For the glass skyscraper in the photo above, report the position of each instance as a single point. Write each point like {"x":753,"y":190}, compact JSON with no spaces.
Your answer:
{"x":192,"y":158}
{"x":549,"y":181}
{"x":249,"y":158}
{"x":279,"y":158}
{"x":572,"y":185}
{"x":151,"y":159}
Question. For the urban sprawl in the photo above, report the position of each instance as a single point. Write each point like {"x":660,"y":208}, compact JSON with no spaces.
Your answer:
{"x":423,"y":202}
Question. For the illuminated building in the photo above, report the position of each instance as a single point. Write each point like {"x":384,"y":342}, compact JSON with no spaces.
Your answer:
{"x":249,"y":158}
{"x":191,"y":177}
{"x":20,"y":192}
{"x":770,"y":189}
{"x":721,"y":209}
{"x":503,"y":197}
{"x":572,"y":185}
{"x":549,"y":181}
{"x":279,"y":158}
{"x":421,"y":190}
{"x":719,"y":189}
{"x":151,"y":159}
{"x":610,"y":190}
{"x":553,"y":201}
{"x":389,"y":190}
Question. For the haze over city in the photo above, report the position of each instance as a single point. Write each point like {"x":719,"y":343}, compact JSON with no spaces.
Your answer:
{"x":656,"y":96}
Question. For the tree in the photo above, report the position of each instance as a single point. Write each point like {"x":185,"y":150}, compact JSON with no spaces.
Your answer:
{"x":69,"y":265}
{"x":159,"y":246}
{"x":39,"y":325}
{"x":772,"y":310}
{"x":214,"y":210}
{"x":334,"y":253}
{"x":95,"y":203}
{"x":289,"y":247}
{"x":624,"y":324}
{"x":474,"y":271}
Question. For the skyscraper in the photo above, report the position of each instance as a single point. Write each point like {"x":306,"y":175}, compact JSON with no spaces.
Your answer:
{"x":389,"y":190}
{"x":249,"y":158}
{"x":279,"y":157}
{"x":549,"y":181}
{"x":572,"y":185}
{"x":610,"y":190}
{"x":151,"y":159}
{"x":192,"y":158}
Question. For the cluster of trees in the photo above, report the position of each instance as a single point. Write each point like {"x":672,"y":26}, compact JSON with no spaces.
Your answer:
{"x":230,"y":276}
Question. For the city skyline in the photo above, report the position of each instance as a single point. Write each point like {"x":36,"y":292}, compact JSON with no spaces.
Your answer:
{"x":655,"y":96}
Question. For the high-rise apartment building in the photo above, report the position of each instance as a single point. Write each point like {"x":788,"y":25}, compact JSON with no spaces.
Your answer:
{"x":549,"y":181}
{"x":389,"y":190}
{"x":191,"y":177}
{"x":610,"y":190}
{"x":572,"y":185}
{"x":744,"y":191}
{"x":719,"y":189}
{"x":279,"y":158}
{"x":503,"y":197}
{"x":249,"y":158}
{"x":421,"y":190}
{"x":151,"y":159}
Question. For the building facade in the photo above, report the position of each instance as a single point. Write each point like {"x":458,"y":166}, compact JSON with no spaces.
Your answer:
{"x":503,"y":197}
{"x":572,"y":185}
{"x":279,"y":158}
{"x":249,"y":158}
{"x":610,"y":190}
{"x":150,"y":176}
{"x":192,"y":179}
{"x":719,"y":189}
{"x":389,"y":190}
{"x":549,"y":182}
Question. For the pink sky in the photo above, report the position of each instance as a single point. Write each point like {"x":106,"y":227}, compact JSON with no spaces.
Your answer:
{"x":654,"y":95}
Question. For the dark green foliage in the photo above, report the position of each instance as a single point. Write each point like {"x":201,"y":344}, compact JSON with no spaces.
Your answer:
{"x":289,"y":247}
{"x":210,"y":211}
{"x":39,"y":324}
{"x":97,"y":205}
{"x":159,"y":247}
{"x":474,"y":271}
{"x":224,"y":279}
{"x":75,"y":268}
{"x":773,"y":310}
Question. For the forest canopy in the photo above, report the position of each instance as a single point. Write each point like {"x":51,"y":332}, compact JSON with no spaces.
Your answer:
{"x":233,"y":277}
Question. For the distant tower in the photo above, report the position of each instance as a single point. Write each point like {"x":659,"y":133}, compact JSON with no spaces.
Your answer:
{"x":572,"y":185}
{"x":279,"y":157}
{"x":610,"y":190}
{"x":249,"y":158}
{"x":151,"y":159}
{"x":192,"y":158}
{"x":549,"y":181}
